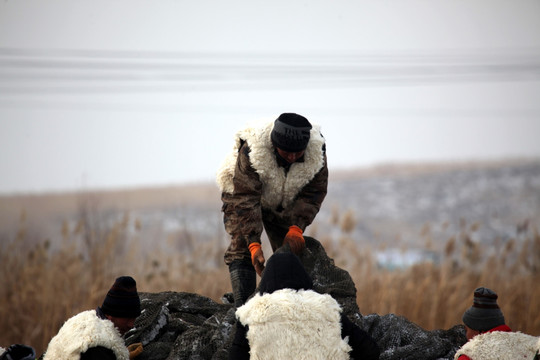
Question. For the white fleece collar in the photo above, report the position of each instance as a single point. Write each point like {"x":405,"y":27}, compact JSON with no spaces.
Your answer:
{"x":499,"y":345}
{"x":279,"y":188}
{"x":82,"y":332}
{"x":290,"y":324}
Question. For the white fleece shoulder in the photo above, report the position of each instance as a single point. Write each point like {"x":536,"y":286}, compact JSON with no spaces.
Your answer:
{"x":290,"y":324}
{"x":225,"y":172}
{"x":83,"y":331}
{"x":499,"y":345}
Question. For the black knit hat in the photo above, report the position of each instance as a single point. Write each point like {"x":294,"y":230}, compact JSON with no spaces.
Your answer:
{"x":291,"y":132}
{"x":284,"y":270}
{"x":484,"y":314}
{"x":19,"y":352}
{"x":122,"y":299}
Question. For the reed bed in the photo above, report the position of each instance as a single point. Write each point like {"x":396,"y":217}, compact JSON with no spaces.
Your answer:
{"x":45,"y":282}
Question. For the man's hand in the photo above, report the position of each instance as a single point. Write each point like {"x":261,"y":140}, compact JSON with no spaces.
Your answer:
{"x":257,"y":257}
{"x":135,"y":350}
{"x":295,"y":240}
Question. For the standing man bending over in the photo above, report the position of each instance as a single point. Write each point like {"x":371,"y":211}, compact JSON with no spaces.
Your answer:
{"x":276,"y":178}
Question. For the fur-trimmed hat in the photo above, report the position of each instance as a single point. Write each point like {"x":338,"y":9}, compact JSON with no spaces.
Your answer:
{"x":291,"y":132}
{"x":484,"y":314}
{"x":122,"y":300}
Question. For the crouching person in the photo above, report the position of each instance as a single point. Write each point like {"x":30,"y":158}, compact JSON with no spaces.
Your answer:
{"x":286,"y":319}
{"x":97,"y":334}
{"x":487,"y":334}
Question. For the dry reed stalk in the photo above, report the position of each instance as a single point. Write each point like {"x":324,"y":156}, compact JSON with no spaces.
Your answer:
{"x":43,"y":286}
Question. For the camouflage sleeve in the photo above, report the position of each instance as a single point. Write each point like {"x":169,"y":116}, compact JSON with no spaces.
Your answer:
{"x":242,"y":208}
{"x":308,"y":202}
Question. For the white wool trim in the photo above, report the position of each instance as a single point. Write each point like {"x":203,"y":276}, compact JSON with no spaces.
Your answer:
{"x":290,"y":324}
{"x":278,"y":187}
{"x":499,"y":345}
{"x":83,"y":331}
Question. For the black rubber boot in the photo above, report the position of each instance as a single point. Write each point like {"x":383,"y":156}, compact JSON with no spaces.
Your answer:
{"x":243,"y":281}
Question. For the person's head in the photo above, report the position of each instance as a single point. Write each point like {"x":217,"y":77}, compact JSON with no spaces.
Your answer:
{"x":290,"y":136}
{"x":122,"y":304}
{"x":484,"y":314}
{"x":284,"y":270}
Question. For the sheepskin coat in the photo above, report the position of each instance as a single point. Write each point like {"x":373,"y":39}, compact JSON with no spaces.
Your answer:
{"x":286,"y":319}
{"x":279,"y":188}
{"x":290,"y":324}
{"x":257,"y":188}
{"x":500,"y":345}
{"x":82,"y":332}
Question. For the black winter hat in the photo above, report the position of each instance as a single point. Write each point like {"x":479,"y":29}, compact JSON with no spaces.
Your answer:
{"x":291,"y":132}
{"x":122,"y":300}
{"x":284,"y":270}
{"x":19,"y":352}
{"x":484,"y":314}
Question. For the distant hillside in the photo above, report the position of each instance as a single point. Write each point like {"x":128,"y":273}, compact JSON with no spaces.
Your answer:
{"x":429,"y":202}
{"x":399,"y":205}
{"x":49,"y":210}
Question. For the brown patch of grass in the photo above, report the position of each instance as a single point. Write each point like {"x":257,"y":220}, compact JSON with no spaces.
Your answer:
{"x":44,"y":284}
{"x":435,"y":296}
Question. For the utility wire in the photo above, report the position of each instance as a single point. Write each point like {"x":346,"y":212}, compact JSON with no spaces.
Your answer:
{"x":81,"y":72}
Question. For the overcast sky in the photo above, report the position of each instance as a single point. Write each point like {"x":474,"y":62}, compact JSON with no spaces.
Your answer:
{"x":128,"y":93}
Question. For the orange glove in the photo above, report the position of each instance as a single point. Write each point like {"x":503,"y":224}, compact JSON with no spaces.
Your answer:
{"x":295,"y":240}
{"x":257,"y":257}
{"x":135,"y":350}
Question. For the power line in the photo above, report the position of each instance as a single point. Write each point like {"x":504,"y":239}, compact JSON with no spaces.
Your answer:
{"x":80,"y":72}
